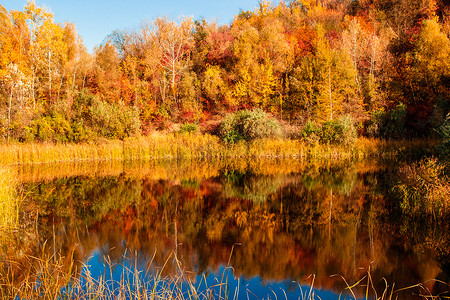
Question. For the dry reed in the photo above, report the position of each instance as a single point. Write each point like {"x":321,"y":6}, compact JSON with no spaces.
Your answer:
{"x":9,"y":202}
{"x":55,"y":277}
{"x":190,"y":146}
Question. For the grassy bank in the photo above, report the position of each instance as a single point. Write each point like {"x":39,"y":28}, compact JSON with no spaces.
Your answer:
{"x":181,"y":146}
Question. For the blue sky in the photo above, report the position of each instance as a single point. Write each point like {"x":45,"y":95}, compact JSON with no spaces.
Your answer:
{"x":95,"y":19}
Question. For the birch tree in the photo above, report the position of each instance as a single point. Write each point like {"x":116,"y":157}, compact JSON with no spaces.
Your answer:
{"x":18,"y":86}
{"x":174,"y":42}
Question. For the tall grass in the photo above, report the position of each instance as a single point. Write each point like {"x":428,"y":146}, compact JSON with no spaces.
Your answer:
{"x":51,"y":277}
{"x":9,"y":202}
{"x":17,"y":153}
{"x":366,"y":288}
{"x":157,"y":146}
{"x":56,"y":277}
{"x":192,"y":145}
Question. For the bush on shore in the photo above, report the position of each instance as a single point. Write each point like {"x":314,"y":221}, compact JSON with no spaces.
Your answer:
{"x":248,"y":125}
{"x":89,"y":119}
{"x":338,"y":132}
{"x":444,"y":133}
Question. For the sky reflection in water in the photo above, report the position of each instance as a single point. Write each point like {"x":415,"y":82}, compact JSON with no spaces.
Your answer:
{"x":291,"y":219}
{"x":233,"y":287}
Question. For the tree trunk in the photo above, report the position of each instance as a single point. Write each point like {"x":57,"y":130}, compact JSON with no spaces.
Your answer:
{"x":9,"y":112}
{"x":173,"y":83}
{"x":32,"y":88}
{"x":49,"y":77}
{"x":73,"y":79}
{"x":60,"y":85}
{"x":84,"y":79}
{"x":329,"y":86}
{"x":136,"y":97}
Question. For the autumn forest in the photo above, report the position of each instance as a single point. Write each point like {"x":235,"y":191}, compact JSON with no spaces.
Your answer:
{"x":301,"y":140}
{"x":383,"y":65}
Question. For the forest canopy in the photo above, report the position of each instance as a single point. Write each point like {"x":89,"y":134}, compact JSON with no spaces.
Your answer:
{"x":383,"y":65}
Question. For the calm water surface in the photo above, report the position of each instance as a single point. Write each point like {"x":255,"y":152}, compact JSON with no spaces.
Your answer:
{"x":280,"y":225}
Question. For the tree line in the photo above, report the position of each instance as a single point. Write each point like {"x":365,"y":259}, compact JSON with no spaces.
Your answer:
{"x":383,"y":64}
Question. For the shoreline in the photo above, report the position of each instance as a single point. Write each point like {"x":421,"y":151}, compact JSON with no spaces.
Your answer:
{"x":195,"y":146}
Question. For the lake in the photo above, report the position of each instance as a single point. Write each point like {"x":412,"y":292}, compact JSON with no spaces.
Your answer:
{"x":270,"y":228}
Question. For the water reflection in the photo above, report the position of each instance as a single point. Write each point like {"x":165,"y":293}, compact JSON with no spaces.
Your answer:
{"x":291,"y":219}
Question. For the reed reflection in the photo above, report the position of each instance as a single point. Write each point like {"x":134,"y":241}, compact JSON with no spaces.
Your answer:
{"x":320,"y":220}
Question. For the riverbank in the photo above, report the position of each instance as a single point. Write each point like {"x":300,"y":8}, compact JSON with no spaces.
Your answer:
{"x":188,"y":146}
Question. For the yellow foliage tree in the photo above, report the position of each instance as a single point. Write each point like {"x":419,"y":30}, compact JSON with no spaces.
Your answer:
{"x":216,"y":89}
{"x":433,"y":53}
{"x":337,"y":88}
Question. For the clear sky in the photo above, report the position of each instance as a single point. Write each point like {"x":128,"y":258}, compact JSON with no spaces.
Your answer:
{"x":95,"y":19}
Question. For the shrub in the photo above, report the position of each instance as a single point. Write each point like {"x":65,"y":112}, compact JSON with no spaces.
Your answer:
{"x":91,"y":116}
{"x":390,"y":125}
{"x":61,"y":128}
{"x":54,"y":128}
{"x":311,"y":132}
{"x":88,"y":118}
{"x":374,"y":126}
{"x":41,"y":129}
{"x":80,"y":107}
{"x":248,"y":125}
{"x":229,"y":129}
{"x":339,"y":131}
{"x":80,"y":133}
{"x":444,"y":133}
{"x":440,"y":114}
{"x":394,"y":126}
{"x":423,"y":188}
{"x":331,"y":132}
{"x":114,"y":120}
{"x":189,"y":128}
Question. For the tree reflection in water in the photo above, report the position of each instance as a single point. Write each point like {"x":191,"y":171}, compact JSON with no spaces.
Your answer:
{"x":291,"y":220}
